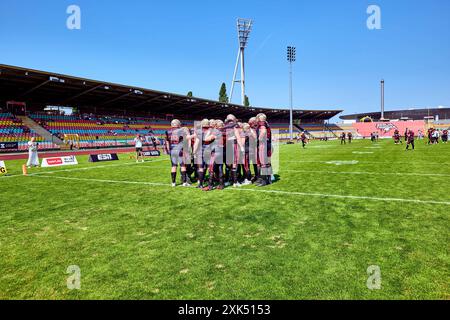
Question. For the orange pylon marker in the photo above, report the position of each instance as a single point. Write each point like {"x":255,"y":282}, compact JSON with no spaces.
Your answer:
{"x":24,"y":170}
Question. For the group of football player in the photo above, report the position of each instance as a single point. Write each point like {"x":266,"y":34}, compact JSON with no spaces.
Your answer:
{"x":344,"y":137}
{"x":409,"y":136}
{"x":220,"y":153}
{"x":434,"y":135}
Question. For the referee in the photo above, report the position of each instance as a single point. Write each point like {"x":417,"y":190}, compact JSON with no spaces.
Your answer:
{"x":138,"y":145}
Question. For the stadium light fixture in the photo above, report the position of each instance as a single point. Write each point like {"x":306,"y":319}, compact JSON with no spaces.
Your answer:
{"x":291,"y":57}
{"x":244,"y":28}
{"x":382,"y":100}
{"x":56,"y":79}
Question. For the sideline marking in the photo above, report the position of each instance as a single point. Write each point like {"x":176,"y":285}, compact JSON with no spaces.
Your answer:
{"x":87,"y":168}
{"x":369,"y":162}
{"x":371,"y":173}
{"x":303,"y":194}
{"x":341,"y":163}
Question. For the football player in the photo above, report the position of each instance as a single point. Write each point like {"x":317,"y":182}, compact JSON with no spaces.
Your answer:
{"x":343,"y":138}
{"x":410,"y":140}
{"x":445,"y":136}
{"x":175,"y":144}
{"x":264,"y":148}
{"x":216,"y":139}
{"x":304,"y":139}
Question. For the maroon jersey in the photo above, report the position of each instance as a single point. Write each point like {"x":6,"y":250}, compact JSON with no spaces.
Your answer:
{"x":303,"y":137}
{"x":175,"y":137}
{"x":268,"y":138}
{"x":411,"y":136}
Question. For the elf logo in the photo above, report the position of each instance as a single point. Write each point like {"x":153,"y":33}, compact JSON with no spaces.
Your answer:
{"x":386,"y":127}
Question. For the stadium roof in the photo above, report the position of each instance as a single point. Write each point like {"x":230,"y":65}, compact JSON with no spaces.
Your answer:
{"x":39,"y":89}
{"x":413,"y":114}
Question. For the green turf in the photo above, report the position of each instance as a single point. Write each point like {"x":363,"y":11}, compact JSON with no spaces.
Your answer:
{"x":136,"y":240}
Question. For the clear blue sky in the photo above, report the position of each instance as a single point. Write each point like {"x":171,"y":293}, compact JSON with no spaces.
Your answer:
{"x":178,"y":46}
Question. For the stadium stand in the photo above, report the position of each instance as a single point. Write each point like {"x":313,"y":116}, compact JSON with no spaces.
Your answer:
{"x":107,"y":131}
{"x":386,"y":129}
{"x":12,"y":129}
{"x":151,"y":110}
{"x":102,"y":131}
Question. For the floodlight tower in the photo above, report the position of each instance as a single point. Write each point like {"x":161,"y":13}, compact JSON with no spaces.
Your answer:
{"x":244,"y":27}
{"x":291,"y":57}
{"x":382,"y":100}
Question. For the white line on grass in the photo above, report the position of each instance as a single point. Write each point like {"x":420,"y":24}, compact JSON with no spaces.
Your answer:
{"x":371,"y":173}
{"x":292,"y":193}
{"x":369,"y":162}
{"x":305,"y":194}
{"x":87,"y":168}
{"x":106,"y":181}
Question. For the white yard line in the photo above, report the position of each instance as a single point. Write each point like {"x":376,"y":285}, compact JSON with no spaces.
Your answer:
{"x":371,"y":173}
{"x":106,"y":181}
{"x":305,"y":194}
{"x":369,"y":162}
{"x":291,"y":193}
{"x":88,"y":168}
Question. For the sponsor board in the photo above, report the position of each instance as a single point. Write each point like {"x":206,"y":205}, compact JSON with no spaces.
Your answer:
{"x":9,"y":145}
{"x":152,"y":153}
{"x":3,"y":168}
{"x":59,"y":161}
{"x":103,"y":157}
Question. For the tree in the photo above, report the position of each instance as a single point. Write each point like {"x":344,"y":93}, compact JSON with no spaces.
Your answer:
{"x":190,"y":94}
{"x":223,"y":97}
{"x":246,"y":101}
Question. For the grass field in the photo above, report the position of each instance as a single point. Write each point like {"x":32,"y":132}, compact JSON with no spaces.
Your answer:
{"x":311,"y":235}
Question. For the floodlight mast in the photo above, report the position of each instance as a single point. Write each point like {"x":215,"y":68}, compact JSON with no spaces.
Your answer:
{"x":382,"y":100}
{"x":244,"y":28}
{"x":291,"y":57}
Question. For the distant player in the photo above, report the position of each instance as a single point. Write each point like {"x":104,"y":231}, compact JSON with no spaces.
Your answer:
{"x":410,"y":140}
{"x":343,"y":138}
{"x":303,"y":139}
{"x":445,"y":136}
{"x":138,"y":145}
{"x":154,"y":142}
{"x":350,"y":137}
{"x":436,"y":136}
{"x":430,"y":136}
{"x":420,"y":135}
{"x":33,"y":159}
{"x":397,"y":138}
